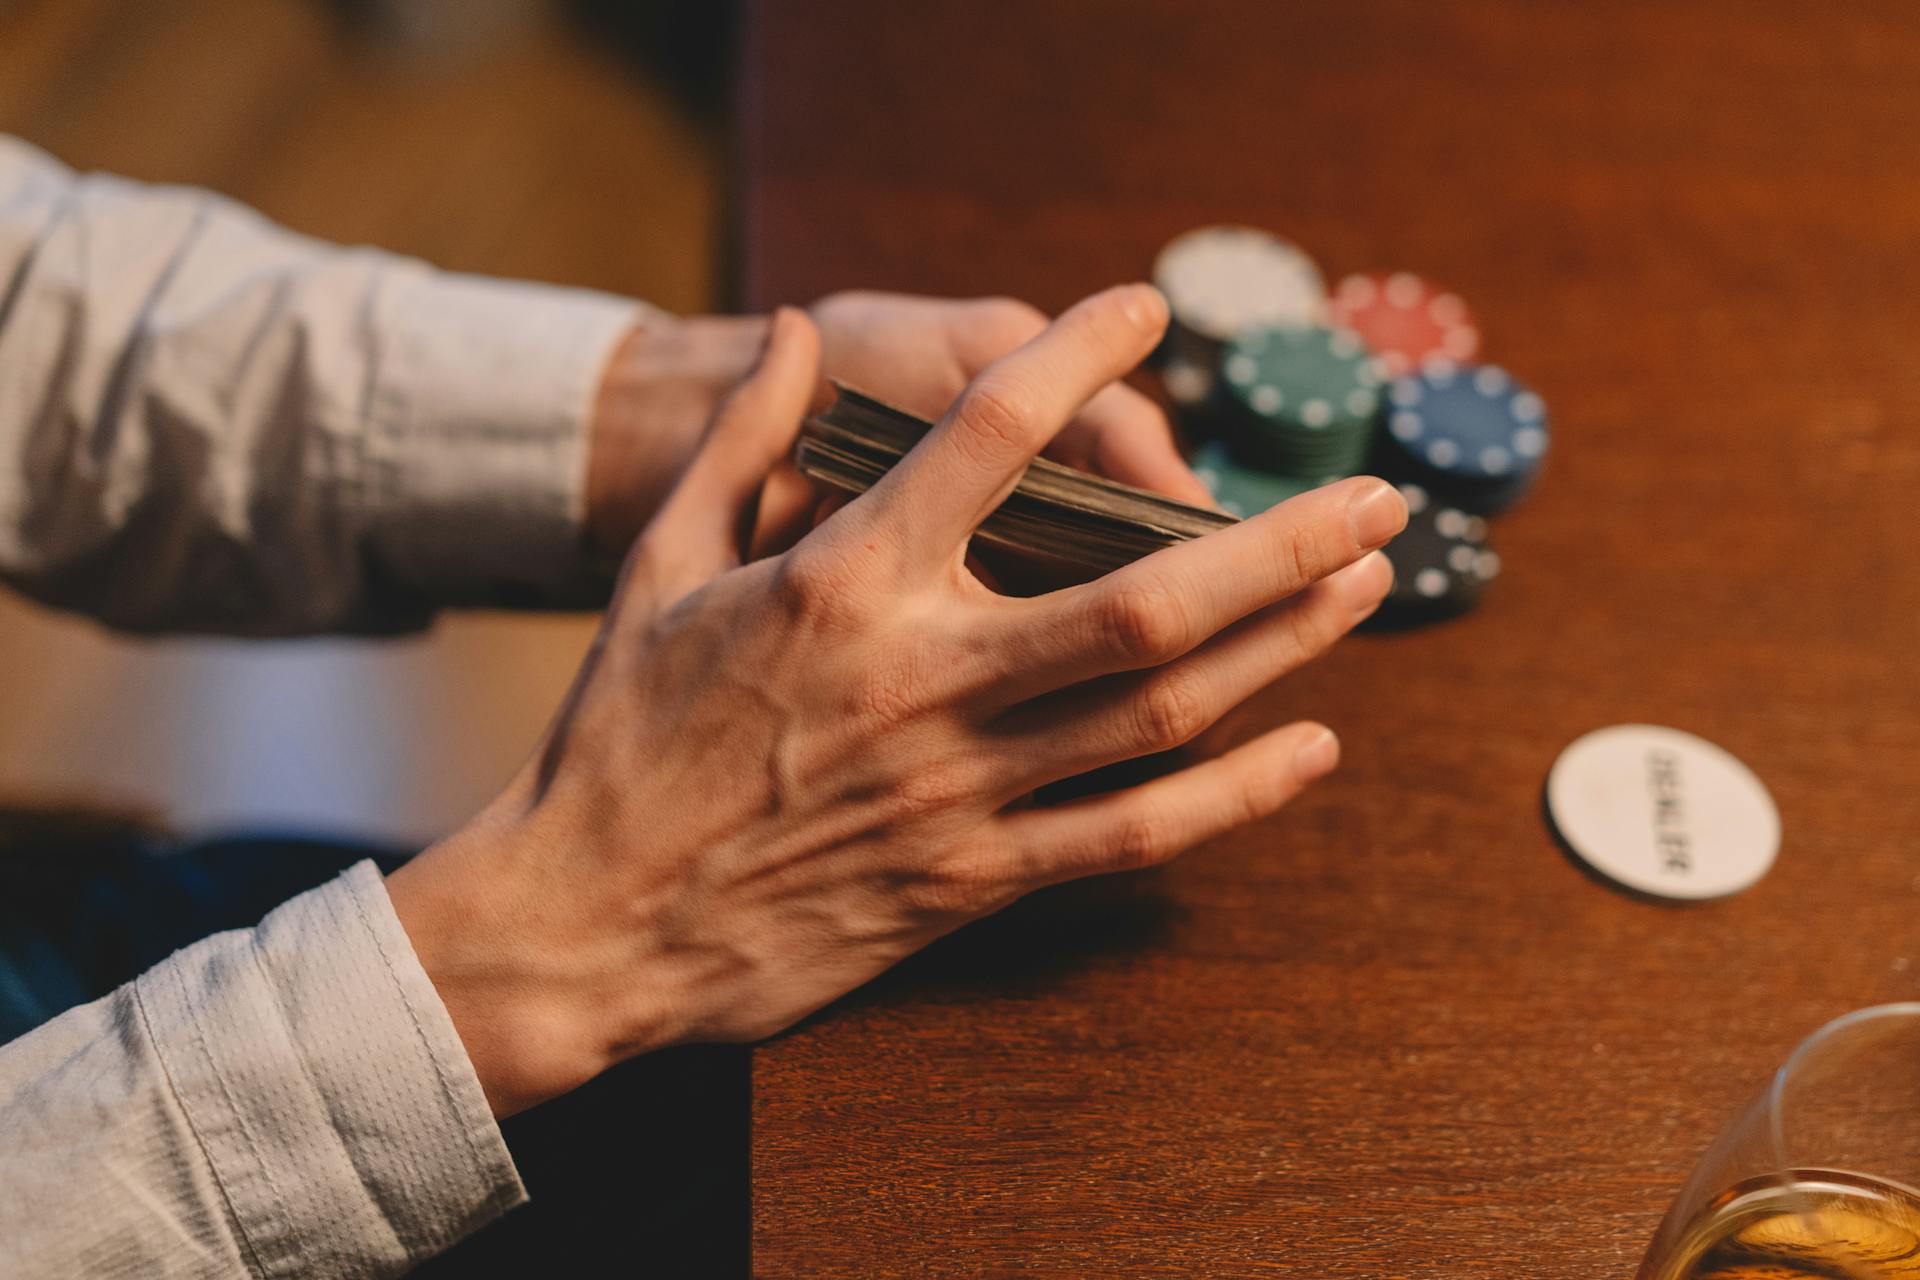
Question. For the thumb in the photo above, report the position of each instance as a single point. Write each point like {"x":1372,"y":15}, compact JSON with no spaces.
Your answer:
{"x":698,"y":531}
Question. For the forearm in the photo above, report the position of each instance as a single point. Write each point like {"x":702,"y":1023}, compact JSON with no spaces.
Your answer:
{"x":210,"y":423}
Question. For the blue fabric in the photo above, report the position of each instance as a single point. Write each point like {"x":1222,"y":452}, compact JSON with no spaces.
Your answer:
{"x":77,"y":922}
{"x":648,"y":1161}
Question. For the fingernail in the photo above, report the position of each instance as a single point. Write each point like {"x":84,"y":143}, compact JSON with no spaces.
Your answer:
{"x":1377,"y":515}
{"x":1366,"y":582}
{"x":1143,"y":306}
{"x":1318,"y":757}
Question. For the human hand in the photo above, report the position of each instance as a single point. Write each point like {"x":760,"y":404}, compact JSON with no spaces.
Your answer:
{"x":660,"y":389}
{"x":667,"y":377}
{"x":771,"y":781}
{"x":920,"y":353}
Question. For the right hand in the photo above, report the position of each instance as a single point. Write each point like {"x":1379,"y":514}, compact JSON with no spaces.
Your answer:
{"x":772,"y":781}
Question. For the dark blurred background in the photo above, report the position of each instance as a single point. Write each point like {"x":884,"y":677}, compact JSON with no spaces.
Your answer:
{"x":582,"y":143}
{"x":577,"y":143}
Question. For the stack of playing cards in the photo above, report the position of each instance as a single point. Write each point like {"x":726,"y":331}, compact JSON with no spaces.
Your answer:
{"x":1066,"y":525}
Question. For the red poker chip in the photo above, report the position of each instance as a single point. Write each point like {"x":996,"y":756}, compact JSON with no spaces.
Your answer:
{"x":1404,"y":320}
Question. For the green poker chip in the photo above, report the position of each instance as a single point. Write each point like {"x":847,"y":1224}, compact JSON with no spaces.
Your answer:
{"x":1304,"y":401}
{"x":1244,"y":490}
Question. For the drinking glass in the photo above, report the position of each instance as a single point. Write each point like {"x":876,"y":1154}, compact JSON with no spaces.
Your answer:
{"x":1819,"y":1179}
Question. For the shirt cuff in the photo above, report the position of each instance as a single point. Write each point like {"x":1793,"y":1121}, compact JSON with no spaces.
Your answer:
{"x":325,"y":1081}
{"x":474,"y":475}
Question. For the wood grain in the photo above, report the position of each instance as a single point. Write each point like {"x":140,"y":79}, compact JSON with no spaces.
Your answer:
{"x":1393,"y":1032}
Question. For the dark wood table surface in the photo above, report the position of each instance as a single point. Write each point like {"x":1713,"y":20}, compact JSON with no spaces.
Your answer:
{"x":1393,"y":1031}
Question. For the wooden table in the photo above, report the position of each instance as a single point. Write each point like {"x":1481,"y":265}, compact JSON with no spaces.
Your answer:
{"x":1393,"y":1031}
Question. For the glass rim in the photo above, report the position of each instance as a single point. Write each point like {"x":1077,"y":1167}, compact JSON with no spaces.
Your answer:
{"x":1812,"y":1044}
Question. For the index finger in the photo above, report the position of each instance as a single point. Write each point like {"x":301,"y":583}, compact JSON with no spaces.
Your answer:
{"x":1160,"y":607}
{"x":939,"y":493}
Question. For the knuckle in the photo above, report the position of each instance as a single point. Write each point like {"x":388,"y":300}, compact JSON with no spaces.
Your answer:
{"x":1301,"y":634}
{"x":1261,"y":795}
{"x":1143,"y":624}
{"x":811,"y":587}
{"x":1315,"y":630}
{"x":1117,"y":322}
{"x":955,"y":886}
{"x":1295,"y":555}
{"x":1140,"y":841}
{"x":1169,"y":711}
{"x":995,"y":413}
{"x":924,"y":793}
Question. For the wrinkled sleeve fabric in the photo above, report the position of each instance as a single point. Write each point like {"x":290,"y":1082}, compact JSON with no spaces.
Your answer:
{"x":288,"y":1100}
{"x":209,"y":423}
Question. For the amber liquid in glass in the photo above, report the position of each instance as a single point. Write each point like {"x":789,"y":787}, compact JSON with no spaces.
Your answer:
{"x":1811,"y":1224}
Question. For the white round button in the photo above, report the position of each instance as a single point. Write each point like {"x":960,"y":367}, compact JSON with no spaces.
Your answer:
{"x":1663,"y":812}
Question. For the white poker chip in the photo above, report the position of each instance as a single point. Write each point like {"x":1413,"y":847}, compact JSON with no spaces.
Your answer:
{"x":1663,"y":812}
{"x":1221,"y":281}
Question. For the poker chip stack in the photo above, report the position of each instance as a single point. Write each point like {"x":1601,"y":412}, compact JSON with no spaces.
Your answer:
{"x":1303,"y":401}
{"x":1219,"y":282}
{"x":1440,"y":563}
{"x":1470,"y":432}
{"x":1405,"y":321}
{"x":1289,"y":387}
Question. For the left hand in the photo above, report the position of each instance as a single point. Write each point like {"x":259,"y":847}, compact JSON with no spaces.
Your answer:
{"x":919,"y":353}
{"x":667,"y":379}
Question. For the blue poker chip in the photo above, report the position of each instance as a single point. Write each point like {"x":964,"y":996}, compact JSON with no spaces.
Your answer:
{"x":1471,"y":432}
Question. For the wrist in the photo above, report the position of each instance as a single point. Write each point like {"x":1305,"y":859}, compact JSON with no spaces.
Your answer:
{"x":540,"y":1007}
{"x":662,"y":384}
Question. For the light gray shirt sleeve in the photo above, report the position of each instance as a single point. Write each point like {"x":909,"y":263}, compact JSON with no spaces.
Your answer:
{"x":210,"y":423}
{"x":288,"y":1100}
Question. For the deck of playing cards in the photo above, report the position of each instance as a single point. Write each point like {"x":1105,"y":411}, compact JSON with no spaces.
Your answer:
{"x":1059,"y":524}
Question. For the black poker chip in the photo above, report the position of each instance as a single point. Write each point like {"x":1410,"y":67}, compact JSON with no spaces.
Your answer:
{"x":1441,"y":563}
